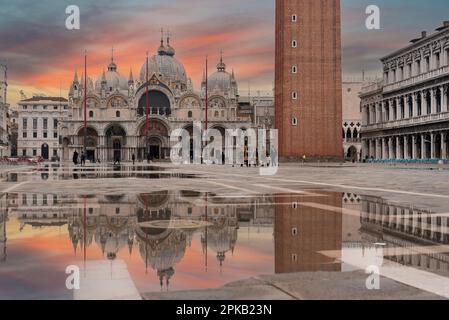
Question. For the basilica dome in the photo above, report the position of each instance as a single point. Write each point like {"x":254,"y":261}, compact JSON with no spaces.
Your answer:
{"x":165,"y":65}
{"x":222,"y":81}
{"x":111,"y":79}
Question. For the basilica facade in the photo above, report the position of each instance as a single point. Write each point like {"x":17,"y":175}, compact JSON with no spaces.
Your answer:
{"x":116,"y":108}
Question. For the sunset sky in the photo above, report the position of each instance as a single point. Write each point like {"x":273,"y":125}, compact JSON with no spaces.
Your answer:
{"x":42,"y":55}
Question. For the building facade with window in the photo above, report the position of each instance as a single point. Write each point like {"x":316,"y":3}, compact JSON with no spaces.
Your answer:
{"x":308,"y":83}
{"x":406,"y":115}
{"x":39,"y":121}
{"x":116,"y":108}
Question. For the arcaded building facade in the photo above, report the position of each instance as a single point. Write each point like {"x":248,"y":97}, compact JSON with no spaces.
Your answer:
{"x":308,"y":86}
{"x":116,"y":108}
{"x":406,"y":115}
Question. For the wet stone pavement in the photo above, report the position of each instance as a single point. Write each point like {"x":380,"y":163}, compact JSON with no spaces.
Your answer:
{"x":162,"y":231}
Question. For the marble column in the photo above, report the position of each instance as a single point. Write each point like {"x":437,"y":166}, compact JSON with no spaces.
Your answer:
{"x":414,"y":148}
{"x":444,"y":101}
{"x":423,"y":147}
{"x":443,"y":146}
{"x":406,"y":148}
{"x":432,"y":146}
{"x":398,"y":148}
{"x":415,"y":104}
{"x":406,"y":108}
{"x":423,"y":103}
{"x":378,"y":149}
{"x":390,"y":148}
{"x":433,"y":100}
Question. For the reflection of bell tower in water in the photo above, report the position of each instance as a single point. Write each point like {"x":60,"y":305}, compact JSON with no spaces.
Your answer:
{"x":301,"y":232}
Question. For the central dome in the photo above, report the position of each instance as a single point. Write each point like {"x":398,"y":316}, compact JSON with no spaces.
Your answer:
{"x":222,"y":81}
{"x":165,"y":65}
{"x":112,"y":79}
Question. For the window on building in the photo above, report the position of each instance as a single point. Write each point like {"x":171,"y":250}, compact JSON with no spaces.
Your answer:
{"x":55,"y":107}
{"x":189,"y":114}
{"x":45,"y":135}
{"x":294,"y":18}
{"x":55,"y":135}
{"x":55,"y":123}
{"x":24,"y":152}
{"x":427,"y":65}
{"x":34,"y":134}
{"x":294,"y":69}
{"x":55,"y":152}
{"x":437,"y":60}
{"x":34,"y":123}
{"x":25,"y":123}
{"x":117,"y":114}
{"x":294,"y":95}
{"x":45,"y":107}
{"x":294,"y":232}
{"x":45,"y":123}
{"x":294,"y":44}
{"x":418,"y":67}
{"x":34,"y":152}
{"x":24,"y":134}
{"x":91,"y":114}
{"x":24,"y":107}
{"x":294,"y":121}
{"x":409,"y":70}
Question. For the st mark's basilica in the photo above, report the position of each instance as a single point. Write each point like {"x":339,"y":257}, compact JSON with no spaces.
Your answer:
{"x":116,"y":108}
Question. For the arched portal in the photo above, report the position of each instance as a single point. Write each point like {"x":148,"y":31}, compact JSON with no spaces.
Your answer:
{"x":352,"y":154}
{"x":158,"y":103}
{"x":44,"y":151}
{"x":91,"y":144}
{"x":217,"y":153}
{"x":115,"y":142}
{"x":154,"y":142}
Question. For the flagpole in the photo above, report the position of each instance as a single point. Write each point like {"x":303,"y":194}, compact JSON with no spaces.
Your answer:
{"x":85,"y":100}
{"x":207,"y":95}
{"x":147,"y":106}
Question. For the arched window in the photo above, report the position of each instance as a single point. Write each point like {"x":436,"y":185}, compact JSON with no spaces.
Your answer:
{"x":91,"y":114}
{"x":348,"y":134}
{"x":216,"y":114}
{"x":117,"y":114}
{"x":189,"y":114}
{"x":294,"y":121}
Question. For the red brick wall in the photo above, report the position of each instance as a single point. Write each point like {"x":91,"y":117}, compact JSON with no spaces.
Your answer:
{"x":318,"y":81}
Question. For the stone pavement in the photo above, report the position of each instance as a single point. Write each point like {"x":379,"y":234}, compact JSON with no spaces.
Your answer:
{"x":302,"y":286}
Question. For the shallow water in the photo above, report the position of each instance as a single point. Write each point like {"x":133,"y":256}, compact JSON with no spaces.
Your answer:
{"x":188,"y":240}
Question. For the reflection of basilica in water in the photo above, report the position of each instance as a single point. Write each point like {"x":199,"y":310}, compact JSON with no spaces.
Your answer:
{"x":160,"y":227}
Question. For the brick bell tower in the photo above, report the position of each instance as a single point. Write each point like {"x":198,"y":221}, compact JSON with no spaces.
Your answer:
{"x":308,"y":85}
